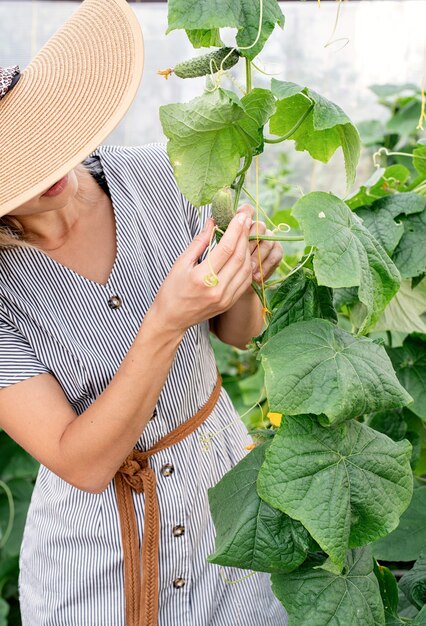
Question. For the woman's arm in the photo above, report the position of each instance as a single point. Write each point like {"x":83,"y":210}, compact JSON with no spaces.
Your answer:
{"x":88,"y":449}
{"x":241,"y":322}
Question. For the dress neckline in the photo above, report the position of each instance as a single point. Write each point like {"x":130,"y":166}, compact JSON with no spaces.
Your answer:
{"x":68,"y":270}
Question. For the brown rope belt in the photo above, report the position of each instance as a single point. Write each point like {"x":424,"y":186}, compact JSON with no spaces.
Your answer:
{"x":135,"y":473}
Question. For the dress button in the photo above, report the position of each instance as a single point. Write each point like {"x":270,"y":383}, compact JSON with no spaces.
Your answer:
{"x":167,"y":469}
{"x":178,"y":583}
{"x":115,"y":302}
{"x":178,"y":531}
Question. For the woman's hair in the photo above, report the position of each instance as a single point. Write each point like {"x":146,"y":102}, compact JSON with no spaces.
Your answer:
{"x":12,"y":233}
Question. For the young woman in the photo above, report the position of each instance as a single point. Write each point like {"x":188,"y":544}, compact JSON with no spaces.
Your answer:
{"x":104,"y":344}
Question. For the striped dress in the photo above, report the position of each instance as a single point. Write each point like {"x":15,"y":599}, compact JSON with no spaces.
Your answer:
{"x":54,"y":320}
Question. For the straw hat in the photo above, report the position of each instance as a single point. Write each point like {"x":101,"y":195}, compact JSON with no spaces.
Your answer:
{"x":68,"y":99}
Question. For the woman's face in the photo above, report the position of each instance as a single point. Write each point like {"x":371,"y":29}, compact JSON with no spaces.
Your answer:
{"x":59,"y":196}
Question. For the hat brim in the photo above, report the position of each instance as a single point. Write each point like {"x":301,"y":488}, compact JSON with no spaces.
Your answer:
{"x":68,"y":99}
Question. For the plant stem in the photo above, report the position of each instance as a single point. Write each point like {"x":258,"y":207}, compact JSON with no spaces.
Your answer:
{"x":292,"y":130}
{"x":389,"y":338}
{"x":249,"y":86}
{"x":247,"y":163}
{"x":276,"y":238}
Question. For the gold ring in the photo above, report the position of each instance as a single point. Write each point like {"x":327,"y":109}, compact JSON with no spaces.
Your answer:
{"x":211,"y":280}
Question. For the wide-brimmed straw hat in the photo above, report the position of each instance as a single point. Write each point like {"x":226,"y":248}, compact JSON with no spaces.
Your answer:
{"x":68,"y":99}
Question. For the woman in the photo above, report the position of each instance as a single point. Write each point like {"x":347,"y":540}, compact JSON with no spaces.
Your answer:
{"x":104,"y":342}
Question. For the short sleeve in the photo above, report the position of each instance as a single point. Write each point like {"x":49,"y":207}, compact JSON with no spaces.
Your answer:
{"x":18,"y":360}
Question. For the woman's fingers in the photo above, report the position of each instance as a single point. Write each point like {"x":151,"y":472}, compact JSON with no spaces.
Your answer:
{"x":237,"y":230}
{"x":199,"y":244}
{"x":269,"y":263}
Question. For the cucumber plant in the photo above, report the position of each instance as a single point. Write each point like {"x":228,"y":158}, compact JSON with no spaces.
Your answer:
{"x":325,"y":484}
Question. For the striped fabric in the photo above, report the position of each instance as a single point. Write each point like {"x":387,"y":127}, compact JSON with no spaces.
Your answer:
{"x":54,"y":320}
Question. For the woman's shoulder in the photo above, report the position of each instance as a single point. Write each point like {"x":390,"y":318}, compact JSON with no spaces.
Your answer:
{"x":145,"y":158}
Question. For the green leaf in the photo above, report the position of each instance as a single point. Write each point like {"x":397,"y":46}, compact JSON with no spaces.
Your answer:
{"x":244,"y":15}
{"x":205,"y":144}
{"x":391,"y":423}
{"x":420,"y":619}
{"x":260,"y":537}
{"x":413,"y":583}
{"x":404,"y":122}
{"x":382,"y":183}
{"x":205,"y":38}
{"x":347,"y":485}
{"x":371,"y":132}
{"x":314,"y":597}
{"x":419,"y":160}
{"x":407,"y":541}
{"x":389,"y":592}
{"x":381,"y":217}
{"x":347,"y":255}
{"x":326,"y":128}
{"x":4,"y":612}
{"x":387,"y":90}
{"x":409,"y":256}
{"x":316,"y":367}
{"x":409,"y":362}
{"x":298,"y":298}
{"x":259,"y":105}
{"x":404,"y":311}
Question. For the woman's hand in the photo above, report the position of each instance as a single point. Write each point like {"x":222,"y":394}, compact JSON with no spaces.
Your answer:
{"x":270,"y":252}
{"x":184,"y":299}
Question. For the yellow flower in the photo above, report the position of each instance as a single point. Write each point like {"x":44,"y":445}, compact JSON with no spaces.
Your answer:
{"x":274,"y":418}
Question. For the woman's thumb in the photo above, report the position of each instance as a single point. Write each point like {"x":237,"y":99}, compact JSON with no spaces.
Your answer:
{"x":199,"y":243}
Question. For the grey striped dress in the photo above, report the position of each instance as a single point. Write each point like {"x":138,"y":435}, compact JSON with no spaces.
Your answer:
{"x":54,"y":320}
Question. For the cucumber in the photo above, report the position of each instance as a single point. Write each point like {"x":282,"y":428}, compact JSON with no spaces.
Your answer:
{"x":222,"y":208}
{"x":207,"y":63}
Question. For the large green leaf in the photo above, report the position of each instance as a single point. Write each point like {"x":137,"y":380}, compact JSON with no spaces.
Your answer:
{"x":409,"y":256}
{"x":407,"y":541}
{"x":258,"y":537}
{"x":326,"y":128}
{"x":413,"y":583}
{"x":205,"y":143}
{"x":347,"y":254}
{"x":380,"y":217}
{"x":315,"y":597}
{"x":298,"y":298}
{"x":259,"y":105}
{"x":205,"y":38}
{"x":404,"y":311}
{"x":316,"y":367}
{"x":241,"y":14}
{"x":409,"y":362}
{"x":348,"y":485}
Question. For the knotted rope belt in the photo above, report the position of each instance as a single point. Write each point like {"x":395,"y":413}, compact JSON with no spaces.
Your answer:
{"x":142,"y":598}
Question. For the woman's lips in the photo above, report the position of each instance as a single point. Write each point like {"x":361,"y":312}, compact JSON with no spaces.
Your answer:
{"x":57,"y":188}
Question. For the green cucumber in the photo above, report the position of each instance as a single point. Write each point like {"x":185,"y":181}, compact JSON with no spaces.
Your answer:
{"x":222,"y":209}
{"x":207,"y":63}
